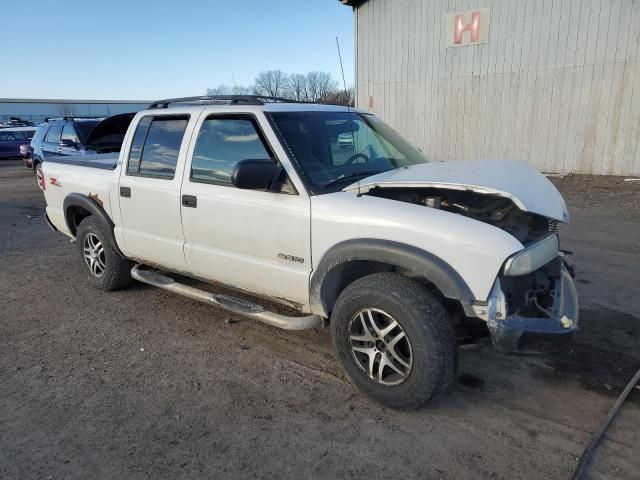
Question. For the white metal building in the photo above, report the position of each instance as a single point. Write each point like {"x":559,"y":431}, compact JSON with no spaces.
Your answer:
{"x":554,"y":82}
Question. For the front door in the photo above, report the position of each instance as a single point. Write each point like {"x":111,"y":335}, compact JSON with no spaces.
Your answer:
{"x":69,"y":141}
{"x":256,"y":240}
{"x":149,"y":191}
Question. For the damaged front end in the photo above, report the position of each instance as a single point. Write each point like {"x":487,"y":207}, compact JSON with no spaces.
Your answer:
{"x":533,"y":305}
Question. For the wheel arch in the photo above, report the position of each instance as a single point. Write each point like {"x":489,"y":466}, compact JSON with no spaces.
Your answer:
{"x":77,"y":206}
{"x":353,"y":259}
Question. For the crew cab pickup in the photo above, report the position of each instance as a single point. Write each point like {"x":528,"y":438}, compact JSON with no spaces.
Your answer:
{"x":401,"y":256}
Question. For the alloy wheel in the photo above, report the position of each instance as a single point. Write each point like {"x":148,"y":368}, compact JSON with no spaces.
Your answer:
{"x":94,"y":255}
{"x":380,"y":346}
{"x":39,"y":176}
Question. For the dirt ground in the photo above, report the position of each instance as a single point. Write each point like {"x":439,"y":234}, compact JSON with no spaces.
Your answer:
{"x":142,"y":384}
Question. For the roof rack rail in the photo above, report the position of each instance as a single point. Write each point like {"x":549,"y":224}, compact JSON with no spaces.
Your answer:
{"x":88,"y":117}
{"x":224,"y":99}
{"x":74,"y":117}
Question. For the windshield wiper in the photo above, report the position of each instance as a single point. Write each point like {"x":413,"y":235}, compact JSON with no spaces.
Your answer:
{"x":351,"y":177}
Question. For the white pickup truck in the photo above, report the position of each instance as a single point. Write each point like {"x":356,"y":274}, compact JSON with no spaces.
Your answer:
{"x":328,"y":210}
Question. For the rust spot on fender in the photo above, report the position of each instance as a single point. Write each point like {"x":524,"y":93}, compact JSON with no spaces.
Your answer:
{"x":96,"y":198}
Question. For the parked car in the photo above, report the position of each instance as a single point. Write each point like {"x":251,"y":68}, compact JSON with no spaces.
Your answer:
{"x":345,"y":140}
{"x":12,"y":139}
{"x":399,"y":254}
{"x":16,"y":122}
{"x":75,"y":136}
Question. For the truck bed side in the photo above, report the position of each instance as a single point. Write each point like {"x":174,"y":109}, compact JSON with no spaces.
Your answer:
{"x":92,"y":176}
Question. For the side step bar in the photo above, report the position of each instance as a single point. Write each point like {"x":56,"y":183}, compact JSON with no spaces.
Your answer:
{"x":232,"y":304}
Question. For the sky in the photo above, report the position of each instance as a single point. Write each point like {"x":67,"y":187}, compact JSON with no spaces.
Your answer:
{"x":144,"y":50}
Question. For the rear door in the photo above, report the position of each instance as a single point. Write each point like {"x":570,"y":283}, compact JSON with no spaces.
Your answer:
{"x":149,"y":190}
{"x":253,"y":239}
{"x":51,"y":144}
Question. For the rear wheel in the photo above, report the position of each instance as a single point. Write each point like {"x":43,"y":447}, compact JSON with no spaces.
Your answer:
{"x":106,"y":269}
{"x":39,"y":175}
{"x":395,"y":340}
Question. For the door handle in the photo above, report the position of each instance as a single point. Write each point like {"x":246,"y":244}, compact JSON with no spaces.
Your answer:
{"x":125,"y":192}
{"x":189,"y":201}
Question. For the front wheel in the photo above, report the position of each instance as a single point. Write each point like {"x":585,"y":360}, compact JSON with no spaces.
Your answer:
{"x":395,"y":340}
{"x":106,"y":269}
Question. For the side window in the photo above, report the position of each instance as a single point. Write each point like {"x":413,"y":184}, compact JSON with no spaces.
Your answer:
{"x":133,"y":167}
{"x":223,"y":142}
{"x":156,"y":145}
{"x":69,"y":133}
{"x":53,"y":135}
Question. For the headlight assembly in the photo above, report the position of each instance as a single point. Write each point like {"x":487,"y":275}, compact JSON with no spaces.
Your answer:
{"x":532,"y":257}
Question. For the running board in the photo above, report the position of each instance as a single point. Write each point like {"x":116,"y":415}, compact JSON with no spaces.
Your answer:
{"x":232,"y":304}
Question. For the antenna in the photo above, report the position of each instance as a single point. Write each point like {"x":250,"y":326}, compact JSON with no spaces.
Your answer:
{"x":353,"y":133}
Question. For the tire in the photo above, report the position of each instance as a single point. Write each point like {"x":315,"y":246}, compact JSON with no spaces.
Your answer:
{"x":108,"y":270}
{"x":431,"y":353}
{"x":37,"y":173}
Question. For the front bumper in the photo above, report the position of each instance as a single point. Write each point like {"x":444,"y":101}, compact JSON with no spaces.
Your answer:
{"x":554,"y":325}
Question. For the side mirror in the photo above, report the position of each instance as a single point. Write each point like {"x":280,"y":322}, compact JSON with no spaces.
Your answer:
{"x":255,"y":174}
{"x":65,"y":142}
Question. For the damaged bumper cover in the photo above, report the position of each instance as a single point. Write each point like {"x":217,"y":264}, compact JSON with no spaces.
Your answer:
{"x":524,"y":332}
{"x":519,"y":322}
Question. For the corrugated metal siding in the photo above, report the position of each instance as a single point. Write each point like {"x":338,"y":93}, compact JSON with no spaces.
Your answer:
{"x":558,"y":84}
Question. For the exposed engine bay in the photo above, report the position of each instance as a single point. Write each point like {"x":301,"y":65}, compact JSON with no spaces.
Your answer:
{"x":492,"y":209}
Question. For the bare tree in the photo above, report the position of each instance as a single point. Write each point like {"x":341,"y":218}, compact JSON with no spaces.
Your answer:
{"x":65,"y":109}
{"x":313,"y":87}
{"x":320,"y":85}
{"x":241,"y":90}
{"x":297,"y":87}
{"x":223,"y":89}
{"x":272,"y":83}
{"x":340,"y":97}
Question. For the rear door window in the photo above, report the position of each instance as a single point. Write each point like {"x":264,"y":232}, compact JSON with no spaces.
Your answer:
{"x":156,"y":145}
{"x":53,"y":135}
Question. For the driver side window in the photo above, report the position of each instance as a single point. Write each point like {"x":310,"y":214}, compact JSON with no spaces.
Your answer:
{"x":222,"y":142}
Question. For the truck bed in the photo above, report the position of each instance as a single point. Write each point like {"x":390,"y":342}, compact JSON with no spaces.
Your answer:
{"x":91,"y":175}
{"x":104,"y":161}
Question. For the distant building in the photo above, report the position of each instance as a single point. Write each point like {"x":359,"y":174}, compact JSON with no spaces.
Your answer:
{"x":36,"y":110}
{"x":554,"y":83}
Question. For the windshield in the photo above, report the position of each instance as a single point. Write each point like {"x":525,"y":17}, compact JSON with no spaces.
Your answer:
{"x":331,"y":149}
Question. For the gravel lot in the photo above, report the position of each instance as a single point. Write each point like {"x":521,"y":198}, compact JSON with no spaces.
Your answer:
{"x":142,"y":384}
